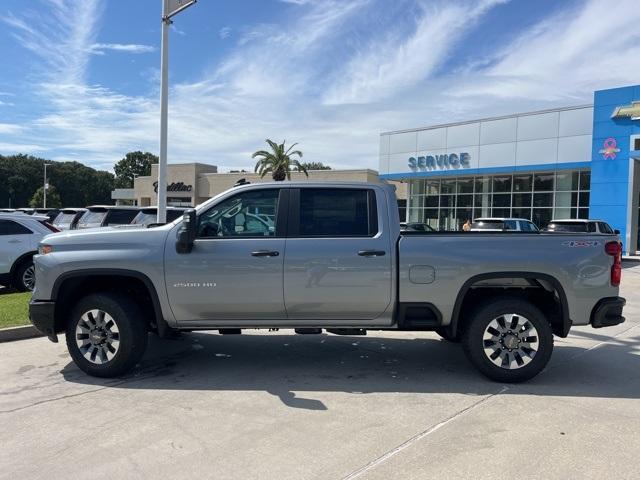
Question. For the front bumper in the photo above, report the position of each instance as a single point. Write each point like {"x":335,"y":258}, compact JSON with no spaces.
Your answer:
{"x":608,"y":312}
{"x":42,"y":315}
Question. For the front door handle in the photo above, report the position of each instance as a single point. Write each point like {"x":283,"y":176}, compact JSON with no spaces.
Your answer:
{"x":265,"y":253}
{"x":15,"y":241}
{"x":371,"y":253}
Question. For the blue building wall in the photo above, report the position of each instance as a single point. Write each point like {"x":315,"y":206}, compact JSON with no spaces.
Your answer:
{"x":610,"y":182}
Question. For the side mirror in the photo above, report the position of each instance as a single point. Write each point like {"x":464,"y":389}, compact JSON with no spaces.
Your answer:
{"x":187,"y":232}
{"x":616,"y":231}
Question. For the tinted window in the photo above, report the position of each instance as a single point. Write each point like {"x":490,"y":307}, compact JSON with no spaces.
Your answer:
{"x":120,"y":217}
{"x":248,"y":214}
{"x":573,"y":227}
{"x":64,"y":218}
{"x":488,"y":225}
{"x":326,"y":212}
{"x":510,"y":225}
{"x":173,"y":214}
{"x":605,"y":228}
{"x":9,"y":227}
{"x":528,"y":227}
{"x":93,"y":217}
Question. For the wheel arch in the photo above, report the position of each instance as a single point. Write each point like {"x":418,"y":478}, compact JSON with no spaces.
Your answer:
{"x":561,"y":325}
{"x":72,"y":285}
{"x":18,"y":261}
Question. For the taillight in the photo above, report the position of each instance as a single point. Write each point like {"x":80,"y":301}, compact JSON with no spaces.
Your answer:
{"x":50,"y":227}
{"x":615,"y":250}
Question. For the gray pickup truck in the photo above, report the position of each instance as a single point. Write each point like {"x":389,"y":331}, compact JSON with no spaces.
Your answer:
{"x":314,"y":256}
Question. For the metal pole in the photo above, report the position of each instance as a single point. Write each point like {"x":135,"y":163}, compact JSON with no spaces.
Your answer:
{"x":44,"y":187}
{"x":164,"y":94}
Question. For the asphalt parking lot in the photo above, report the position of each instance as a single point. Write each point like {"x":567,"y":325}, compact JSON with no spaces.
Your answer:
{"x":283,"y":406}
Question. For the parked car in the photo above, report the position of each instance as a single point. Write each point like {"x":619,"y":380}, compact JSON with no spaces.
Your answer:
{"x":416,"y":227}
{"x":580,"y":226}
{"x":106,"y":216}
{"x":19,"y":237}
{"x":503,"y":224}
{"x":7,"y":210}
{"x":346,"y":268}
{"x":148,"y":215}
{"x":28,"y":211}
{"x":67,"y":218}
{"x":52,"y":213}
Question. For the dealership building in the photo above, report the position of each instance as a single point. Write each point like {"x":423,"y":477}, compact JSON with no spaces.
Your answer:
{"x":574,"y":162}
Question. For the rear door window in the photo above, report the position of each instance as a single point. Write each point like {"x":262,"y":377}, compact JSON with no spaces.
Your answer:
{"x":333,"y":212}
{"x":9,"y":227}
{"x":488,"y":225}
{"x":605,"y":228}
{"x":120,"y":217}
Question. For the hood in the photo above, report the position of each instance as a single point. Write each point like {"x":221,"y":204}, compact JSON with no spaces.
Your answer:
{"x":107,"y":238}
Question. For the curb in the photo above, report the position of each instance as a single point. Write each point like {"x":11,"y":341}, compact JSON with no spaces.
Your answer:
{"x":19,"y":333}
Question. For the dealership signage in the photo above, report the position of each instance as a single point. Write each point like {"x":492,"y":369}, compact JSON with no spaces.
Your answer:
{"x":631,"y":111}
{"x":174,"y":187}
{"x":442,"y":162}
{"x":609,"y":149}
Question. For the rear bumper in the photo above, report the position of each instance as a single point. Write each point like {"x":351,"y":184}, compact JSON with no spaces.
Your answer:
{"x":42,"y":315}
{"x":608,"y":312}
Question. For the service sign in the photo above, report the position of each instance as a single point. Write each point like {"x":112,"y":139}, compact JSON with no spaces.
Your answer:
{"x":445,"y":161}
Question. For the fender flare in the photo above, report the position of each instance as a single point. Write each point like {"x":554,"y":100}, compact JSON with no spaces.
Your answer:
{"x":163,"y":326}
{"x":565,"y":325}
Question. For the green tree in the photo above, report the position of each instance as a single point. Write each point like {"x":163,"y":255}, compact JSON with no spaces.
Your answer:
{"x":53,"y":199}
{"x":315,"y":166}
{"x":279,"y":162}
{"x":133,"y":164}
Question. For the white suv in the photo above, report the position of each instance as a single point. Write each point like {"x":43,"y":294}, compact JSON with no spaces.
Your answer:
{"x":503,"y":224}
{"x":19,"y":237}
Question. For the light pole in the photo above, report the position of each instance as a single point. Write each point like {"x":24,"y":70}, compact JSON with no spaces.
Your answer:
{"x":169,"y":9}
{"x":45,"y":187}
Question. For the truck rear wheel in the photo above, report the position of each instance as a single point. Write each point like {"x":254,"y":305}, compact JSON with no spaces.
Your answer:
{"x":106,"y":335}
{"x":508,"y":340}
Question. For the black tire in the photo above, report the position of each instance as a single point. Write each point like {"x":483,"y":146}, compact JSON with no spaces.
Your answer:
{"x":19,"y":281}
{"x":499,"y":310}
{"x":131,"y":334}
{"x":446,"y":335}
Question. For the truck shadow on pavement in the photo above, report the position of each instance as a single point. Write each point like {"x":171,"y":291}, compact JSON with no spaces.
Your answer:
{"x":286,"y":366}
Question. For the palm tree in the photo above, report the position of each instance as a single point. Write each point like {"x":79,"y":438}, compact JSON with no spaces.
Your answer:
{"x":279,"y":162}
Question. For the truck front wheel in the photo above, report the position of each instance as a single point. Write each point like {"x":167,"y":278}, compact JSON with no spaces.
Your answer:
{"x":106,"y":335}
{"x":508,"y":340}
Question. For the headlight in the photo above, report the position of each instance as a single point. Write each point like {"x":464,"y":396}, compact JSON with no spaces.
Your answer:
{"x":44,"y":249}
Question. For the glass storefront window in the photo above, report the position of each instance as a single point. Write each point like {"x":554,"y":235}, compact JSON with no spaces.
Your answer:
{"x":445,"y":204}
{"x":566,"y":181}
{"x":502,"y":183}
{"x":543,"y":182}
{"x":447,"y":186}
{"x":585,"y":180}
{"x":522,"y":183}
{"x":521,"y":200}
{"x":433,"y":187}
{"x":465,"y":185}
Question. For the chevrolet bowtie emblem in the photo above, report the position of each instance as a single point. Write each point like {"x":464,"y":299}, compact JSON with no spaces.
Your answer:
{"x":628,"y":111}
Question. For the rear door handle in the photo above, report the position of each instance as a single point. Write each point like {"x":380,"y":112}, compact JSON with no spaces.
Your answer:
{"x":371,"y":253}
{"x":265,"y":253}
{"x":15,"y":241}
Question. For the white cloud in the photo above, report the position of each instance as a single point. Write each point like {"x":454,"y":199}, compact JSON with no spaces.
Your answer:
{"x":282,"y":81}
{"x":99,"y":48}
{"x":10,"y":128}
{"x":566,"y":57}
{"x":225,"y":32}
{"x":396,"y":63}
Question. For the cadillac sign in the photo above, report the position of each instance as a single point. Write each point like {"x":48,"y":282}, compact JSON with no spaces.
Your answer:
{"x":441,"y":162}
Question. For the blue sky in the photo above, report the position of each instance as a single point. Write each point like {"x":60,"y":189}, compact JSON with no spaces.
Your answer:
{"x":80,"y":78}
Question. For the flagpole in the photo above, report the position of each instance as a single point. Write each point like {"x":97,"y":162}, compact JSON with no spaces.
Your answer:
{"x":164,"y":97}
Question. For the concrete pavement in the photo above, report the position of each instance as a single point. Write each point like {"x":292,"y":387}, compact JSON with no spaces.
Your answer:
{"x":283,"y":406}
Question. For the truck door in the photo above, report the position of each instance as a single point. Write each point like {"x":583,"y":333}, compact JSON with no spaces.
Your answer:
{"x":235,"y":268}
{"x":338,"y":259}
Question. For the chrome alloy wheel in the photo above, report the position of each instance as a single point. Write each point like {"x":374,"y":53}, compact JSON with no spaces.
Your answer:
{"x":510,"y":341}
{"x":97,"y":336}
{"x":29,"y":278}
